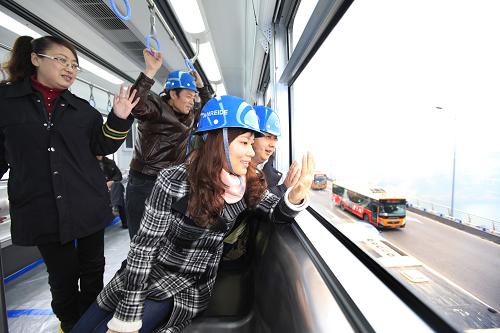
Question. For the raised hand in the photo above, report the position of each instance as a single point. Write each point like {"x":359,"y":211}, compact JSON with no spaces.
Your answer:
{"x":153,"y":60}
{"x":300,"y":189}
{"x":292,"y":176}
{"x":124,"y":102}
{"x":197,"y":78}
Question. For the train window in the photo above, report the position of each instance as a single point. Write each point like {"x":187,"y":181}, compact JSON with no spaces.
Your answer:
{"x":129,"y":140}
{"x":306,"y":7}
{"x":411,"y":90}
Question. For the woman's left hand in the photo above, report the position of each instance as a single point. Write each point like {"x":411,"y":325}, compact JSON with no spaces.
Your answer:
{"x":300,"y":189}
{"x":124,"y":102}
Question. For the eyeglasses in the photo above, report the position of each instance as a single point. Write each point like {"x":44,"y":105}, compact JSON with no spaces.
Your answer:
{"x":63,"y":61}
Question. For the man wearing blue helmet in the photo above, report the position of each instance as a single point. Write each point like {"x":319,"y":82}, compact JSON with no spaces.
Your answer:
{"x":171,"y":267}
{"x":265,"y":147}
{"x":164,"y":125}
{"x":235,"y":244}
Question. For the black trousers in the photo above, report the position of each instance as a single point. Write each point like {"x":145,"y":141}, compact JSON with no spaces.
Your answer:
{"x":138,"y":190}
{"x":67,"y":264}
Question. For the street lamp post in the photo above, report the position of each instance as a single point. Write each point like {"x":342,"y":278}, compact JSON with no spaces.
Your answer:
{"x":452,"y":210}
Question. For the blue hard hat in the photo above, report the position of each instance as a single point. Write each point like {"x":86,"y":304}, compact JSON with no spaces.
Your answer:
{"x":180,"y":79}
{"x":268,"y":120}
{"x":228,"y":111}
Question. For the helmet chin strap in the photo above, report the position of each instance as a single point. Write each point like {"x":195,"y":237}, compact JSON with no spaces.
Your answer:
{"x":228,"y":160}
{"x":226,"y":150}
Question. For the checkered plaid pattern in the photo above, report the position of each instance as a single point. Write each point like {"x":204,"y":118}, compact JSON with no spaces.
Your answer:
{"x":172,"y":256}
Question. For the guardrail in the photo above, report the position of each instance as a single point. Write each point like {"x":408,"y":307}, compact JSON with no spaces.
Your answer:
{"x":471,"y":220}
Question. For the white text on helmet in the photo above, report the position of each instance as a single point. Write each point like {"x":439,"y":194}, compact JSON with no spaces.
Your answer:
{"x":215,"y":113}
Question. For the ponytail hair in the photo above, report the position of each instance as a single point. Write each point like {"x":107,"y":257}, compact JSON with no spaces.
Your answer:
{"x":20,"y":66}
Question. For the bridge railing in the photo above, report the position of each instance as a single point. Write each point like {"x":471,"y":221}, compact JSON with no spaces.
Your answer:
{"x":459,"y":216}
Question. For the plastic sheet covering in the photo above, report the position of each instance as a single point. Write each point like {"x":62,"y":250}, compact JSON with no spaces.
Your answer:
{"x":28,"y":296}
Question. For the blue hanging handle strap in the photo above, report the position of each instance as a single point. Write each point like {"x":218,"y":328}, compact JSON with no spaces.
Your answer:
{"x":189,"y":62}
{"x":225,"y":138}
{"x":155,"y":39}
{"x":152,"y":31}
{"x":128,"y":11}
{"x":189,"y":65}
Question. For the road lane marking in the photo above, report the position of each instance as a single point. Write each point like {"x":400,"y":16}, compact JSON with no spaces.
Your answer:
{"x":445,"y":279}
{"x":414,"y":219}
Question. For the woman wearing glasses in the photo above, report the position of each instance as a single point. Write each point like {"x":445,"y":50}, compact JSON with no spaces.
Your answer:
{"x":58,"y":197}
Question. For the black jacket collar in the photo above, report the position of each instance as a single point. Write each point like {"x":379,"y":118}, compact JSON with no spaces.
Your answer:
{"x":24,"y":88}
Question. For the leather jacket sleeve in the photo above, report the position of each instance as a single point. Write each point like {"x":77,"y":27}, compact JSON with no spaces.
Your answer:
{"x":205,"y":97}
{"x":149,"y":106}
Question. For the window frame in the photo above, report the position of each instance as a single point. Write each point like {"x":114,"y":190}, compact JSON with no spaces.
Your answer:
{"x":324,"y":18}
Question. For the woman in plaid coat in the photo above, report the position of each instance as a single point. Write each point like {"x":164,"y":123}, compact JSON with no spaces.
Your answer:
{"x":172,"y":263}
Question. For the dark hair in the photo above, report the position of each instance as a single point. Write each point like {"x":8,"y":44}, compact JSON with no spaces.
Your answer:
{"x":206,"y":188}
{"x":19,"y":66}
{"x":176,"y":90}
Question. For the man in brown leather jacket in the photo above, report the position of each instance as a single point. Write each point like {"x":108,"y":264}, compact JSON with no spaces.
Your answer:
{"x":164,"y":126}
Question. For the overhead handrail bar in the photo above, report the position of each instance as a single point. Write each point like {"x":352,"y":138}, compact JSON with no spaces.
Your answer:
{"x":5,"y":47}
{"x":94,"y":85}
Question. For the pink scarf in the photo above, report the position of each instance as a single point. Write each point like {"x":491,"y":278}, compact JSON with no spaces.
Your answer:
{"x":235,"y":186}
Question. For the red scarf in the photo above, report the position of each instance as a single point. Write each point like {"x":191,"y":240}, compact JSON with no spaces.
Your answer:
{"x":49,"y":94}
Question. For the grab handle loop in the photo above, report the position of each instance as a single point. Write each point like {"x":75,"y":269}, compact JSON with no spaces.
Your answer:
{"x":109,"y":107}
{"x":190,"y":62}
{"x":117,"y":12}
{"x":152,"y":30}
{"x":91,"y":98}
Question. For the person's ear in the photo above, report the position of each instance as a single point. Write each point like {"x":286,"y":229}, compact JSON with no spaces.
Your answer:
{"x":35,"y":60}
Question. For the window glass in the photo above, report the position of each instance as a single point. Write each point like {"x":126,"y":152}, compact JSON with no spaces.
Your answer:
{"x":400,"y":108}
{"x":302,"y":16}
{"x":129,"y":140}
{"x":268,"y":95}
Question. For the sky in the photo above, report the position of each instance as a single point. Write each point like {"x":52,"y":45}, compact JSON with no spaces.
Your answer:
{"x":396,"y":86}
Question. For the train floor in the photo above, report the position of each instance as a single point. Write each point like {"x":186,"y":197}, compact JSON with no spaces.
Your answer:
{"x":28,"y":296}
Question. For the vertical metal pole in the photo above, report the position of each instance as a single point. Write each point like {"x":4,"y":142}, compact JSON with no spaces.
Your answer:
{"x":3,"y":307}
{"x":454,"y":129}
{"x":454,"y":163}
